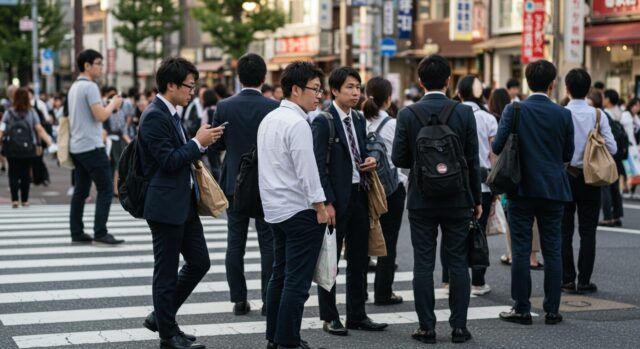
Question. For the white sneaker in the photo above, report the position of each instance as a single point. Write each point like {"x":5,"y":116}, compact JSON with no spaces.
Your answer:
{"x":626,"y":195}
{"x":70,"y":191}
{"x":480,"y":290}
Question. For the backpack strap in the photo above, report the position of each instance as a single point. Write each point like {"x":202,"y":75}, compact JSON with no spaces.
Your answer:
{"x":384,"y":122}
{"x":418,"y":113}
{"x":332,"y":136}
{"x":516,"y":117}
{"x":598,"y":115}
{"x":447,"y":111}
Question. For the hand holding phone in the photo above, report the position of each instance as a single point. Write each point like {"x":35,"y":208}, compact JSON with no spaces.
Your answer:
{"x":223,"y":124}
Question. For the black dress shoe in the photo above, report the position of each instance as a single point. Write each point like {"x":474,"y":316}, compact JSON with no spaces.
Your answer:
{"x":82,"y":239}
{"x":150,"y":324}
{"x":108,"y":239}
{"x":334,"y":327}
{"x":272,"y":345}
{"x":179,"y":342}
{"x":394,"y":299}
{"x":241,"y":308}
{"x":460,"y":335}
{"x":569,"y":287}
{"x":424,"y":336}
{"x":552,"y":318}
{"x":264,"y":310}
{"x":588,"y":288}
{"x":512,"y":316}
{"x":366,"y":325}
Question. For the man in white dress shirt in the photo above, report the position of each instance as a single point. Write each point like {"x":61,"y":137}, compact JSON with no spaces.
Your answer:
{"x":293,"y":202}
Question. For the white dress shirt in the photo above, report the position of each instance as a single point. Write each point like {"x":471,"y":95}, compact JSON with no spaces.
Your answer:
{"x":487,"y":127}
{"x":288,"y":173}
{"x":628,"y":123}
{"x":388,"y":132}
{"x":584,"y":120}
{"x":355,"y":172}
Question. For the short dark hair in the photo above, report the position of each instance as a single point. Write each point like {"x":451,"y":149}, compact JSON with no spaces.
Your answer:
{"x":87,"y":56}
{"x":209,"y":98}
{"x":632,"y":102}
{"x":540,"y":74}
{"x":578,"y":83}
{"x":513,"y":82}
{"x":174,"y":70}
{"x":21,"y":101}
{"x":434,"y":71}
{"x":613,"y":96}
{"x":266,"y":88}
{"x":599,"y":85}
{"x":251,"y":70}
{"x":298,"y":74}
{"x":339,"y":75}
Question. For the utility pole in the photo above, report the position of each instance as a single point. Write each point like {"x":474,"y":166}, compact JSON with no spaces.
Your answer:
{"x":556,"y":46}
{"x":77,"y":31}
{"x":343,"y":32}
{"x":34,"y":49}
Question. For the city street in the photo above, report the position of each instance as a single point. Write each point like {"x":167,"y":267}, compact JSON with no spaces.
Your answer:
{"x":53,"y":294}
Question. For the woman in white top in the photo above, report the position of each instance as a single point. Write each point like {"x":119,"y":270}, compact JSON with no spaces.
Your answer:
{"x":629,"y":120}
{"x":378,"y":100}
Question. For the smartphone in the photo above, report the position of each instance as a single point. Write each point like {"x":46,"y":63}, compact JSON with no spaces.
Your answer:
{"x":223,"y":124}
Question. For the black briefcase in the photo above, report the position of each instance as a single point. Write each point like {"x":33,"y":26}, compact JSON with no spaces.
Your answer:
{"x":478,"y":247}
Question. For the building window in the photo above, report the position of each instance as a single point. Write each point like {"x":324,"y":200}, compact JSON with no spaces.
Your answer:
{"x":424,"y":10}
{"x":95,"y":27}
{"x":440,"y":9}
{"x":506,"y":16}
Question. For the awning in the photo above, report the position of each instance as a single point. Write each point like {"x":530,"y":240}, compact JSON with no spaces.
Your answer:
{"x":507,"y":41}
{"x":616,"y":33}
{"x":210,"y":66}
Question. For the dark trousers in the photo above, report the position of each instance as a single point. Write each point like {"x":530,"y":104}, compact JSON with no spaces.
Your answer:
{"x":586,"y":199}
{"x":477,"y":274}
{"x":238,"y":226}
{"x":20,"y":178}
{"x":612,"y":202}
{"x":390,"y":222}
{"x":91,"y":166}
{"x":171,"y":289}
{"x":352,"y":227}
{"x":549,"y":213}
{"x":297,"y":244}
{"x":454,"y":223}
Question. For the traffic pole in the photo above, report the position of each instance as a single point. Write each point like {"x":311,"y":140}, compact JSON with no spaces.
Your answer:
{"x":34,"y":49}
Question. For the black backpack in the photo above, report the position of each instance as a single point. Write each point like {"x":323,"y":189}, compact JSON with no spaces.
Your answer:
{"x":132,"y":183}
{"x":440,"y":168}
{"x":620,"y":135}
{"x":17,"y":140}
{"x":376,"y":148}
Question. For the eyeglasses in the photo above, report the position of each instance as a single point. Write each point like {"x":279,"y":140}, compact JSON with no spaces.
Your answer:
{"x":190,"y":87}
{"x":317,"y":90}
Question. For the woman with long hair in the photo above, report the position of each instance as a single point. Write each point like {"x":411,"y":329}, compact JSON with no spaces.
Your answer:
{"x":498,"y":100}
{"x":378,"y":100}
{"x":20,"y":161}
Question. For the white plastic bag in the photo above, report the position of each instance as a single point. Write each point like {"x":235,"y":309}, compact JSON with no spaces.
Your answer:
{"x":327,"y":266}
{"x":497,"y":223}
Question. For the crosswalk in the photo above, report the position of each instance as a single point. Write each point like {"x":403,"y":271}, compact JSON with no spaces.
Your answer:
{"x":54,"y":294}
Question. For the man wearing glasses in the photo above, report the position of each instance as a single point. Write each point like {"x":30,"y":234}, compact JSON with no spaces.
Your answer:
{"x":345,"y":186}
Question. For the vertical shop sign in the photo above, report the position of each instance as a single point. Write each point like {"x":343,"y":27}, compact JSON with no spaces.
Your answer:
{"x":461,"y":20}
{"x":387,"y":18}
{"x":574,"y":31}
{"x":405,"y":18}
{"x":532,"y":48}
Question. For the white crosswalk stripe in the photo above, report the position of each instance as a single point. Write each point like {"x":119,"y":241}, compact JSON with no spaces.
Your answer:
{"x":42,"y":276}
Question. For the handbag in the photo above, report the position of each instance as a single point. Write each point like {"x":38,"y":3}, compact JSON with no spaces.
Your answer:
{"x":497,"y":223}
{"x":598,"y":165}
{"x":327,"y":265}
{"x":505,"y":176}
{"x":377,"y":201}
{"x":64,"y":158}
{"x":478,"y":248}
{"x":212,"y":200}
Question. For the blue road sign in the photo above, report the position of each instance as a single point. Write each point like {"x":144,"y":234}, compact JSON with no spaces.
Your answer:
{"x":388,"y":47}
{"x":8,"y":2}
{"x":47,"y":53}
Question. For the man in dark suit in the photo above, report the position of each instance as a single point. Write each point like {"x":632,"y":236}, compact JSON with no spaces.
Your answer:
{"x":344,"y":183}
{"x":545,"y":132}
{"x":243,"y":112}
{"x":452,"y":213}
{"x":170,"y":204}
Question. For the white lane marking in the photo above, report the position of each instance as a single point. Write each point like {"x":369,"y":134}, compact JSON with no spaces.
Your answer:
{"x":88,"y":225}
{"x":232,"y":328}
{"x":59,"y":250}
{"x":633,"y":207}
{"x":620,"y":230}
{"x":101,"y":314}
{"x":139,"y":290}
{"x":37,"y":218}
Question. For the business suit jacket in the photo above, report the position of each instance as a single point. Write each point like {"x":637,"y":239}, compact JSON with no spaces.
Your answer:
{"x":168,"y":197}
{"x":244,"y":112}
{"x":545,"y":133}
{"x":337,"y":182}
{"x":463,"y":123}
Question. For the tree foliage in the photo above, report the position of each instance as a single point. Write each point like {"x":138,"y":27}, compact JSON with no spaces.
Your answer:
{"x":231,"y":27}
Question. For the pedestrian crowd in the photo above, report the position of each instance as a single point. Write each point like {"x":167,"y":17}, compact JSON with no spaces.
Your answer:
{"x":328,"y":147}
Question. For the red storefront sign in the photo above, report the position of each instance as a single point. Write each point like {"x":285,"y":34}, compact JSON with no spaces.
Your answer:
{"x":606,"y":8}
{"x":296,"y":45}
{"x":532,"y":47}
{"x":111,"y":61}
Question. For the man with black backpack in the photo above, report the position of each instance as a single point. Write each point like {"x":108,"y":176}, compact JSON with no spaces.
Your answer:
{"x":436,"y":138}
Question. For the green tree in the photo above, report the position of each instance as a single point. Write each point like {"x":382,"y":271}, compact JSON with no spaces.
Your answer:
{"x":231,"y":27}
{"x":15,"y":46}
{"x":142,"y":23}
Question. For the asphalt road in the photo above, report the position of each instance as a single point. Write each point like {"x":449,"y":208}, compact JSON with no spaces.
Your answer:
{"x":52,"y":295}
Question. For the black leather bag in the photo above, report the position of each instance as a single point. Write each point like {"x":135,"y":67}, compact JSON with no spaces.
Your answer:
{"x":246,"y":197}
{"x":505,"y":176}
{"x":478,"y":246}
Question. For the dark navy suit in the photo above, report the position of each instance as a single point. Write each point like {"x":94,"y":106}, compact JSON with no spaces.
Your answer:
{"x":452,"y":214}
{"x":170,"y":211}
{"x":244,"y":112}
{"x":351,"y":204}
{"x":545,"y":134}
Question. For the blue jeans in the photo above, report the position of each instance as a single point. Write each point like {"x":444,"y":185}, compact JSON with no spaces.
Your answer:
{"x":549,"y":214}
{"x":91,"y":166}
{"x":297,"y":244}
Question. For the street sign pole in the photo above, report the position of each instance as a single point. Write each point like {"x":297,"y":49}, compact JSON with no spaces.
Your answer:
{"x":34,"y":49}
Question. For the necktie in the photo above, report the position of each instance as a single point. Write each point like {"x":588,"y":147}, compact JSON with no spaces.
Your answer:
{"x":178,"y":126}
{"x":354,"y":151}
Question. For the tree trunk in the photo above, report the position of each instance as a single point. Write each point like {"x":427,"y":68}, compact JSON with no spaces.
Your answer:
{"x":136,"y":84}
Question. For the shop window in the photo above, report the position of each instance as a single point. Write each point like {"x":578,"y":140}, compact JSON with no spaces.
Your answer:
{"x":506,"y":16}
{"x":95,"y":27}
